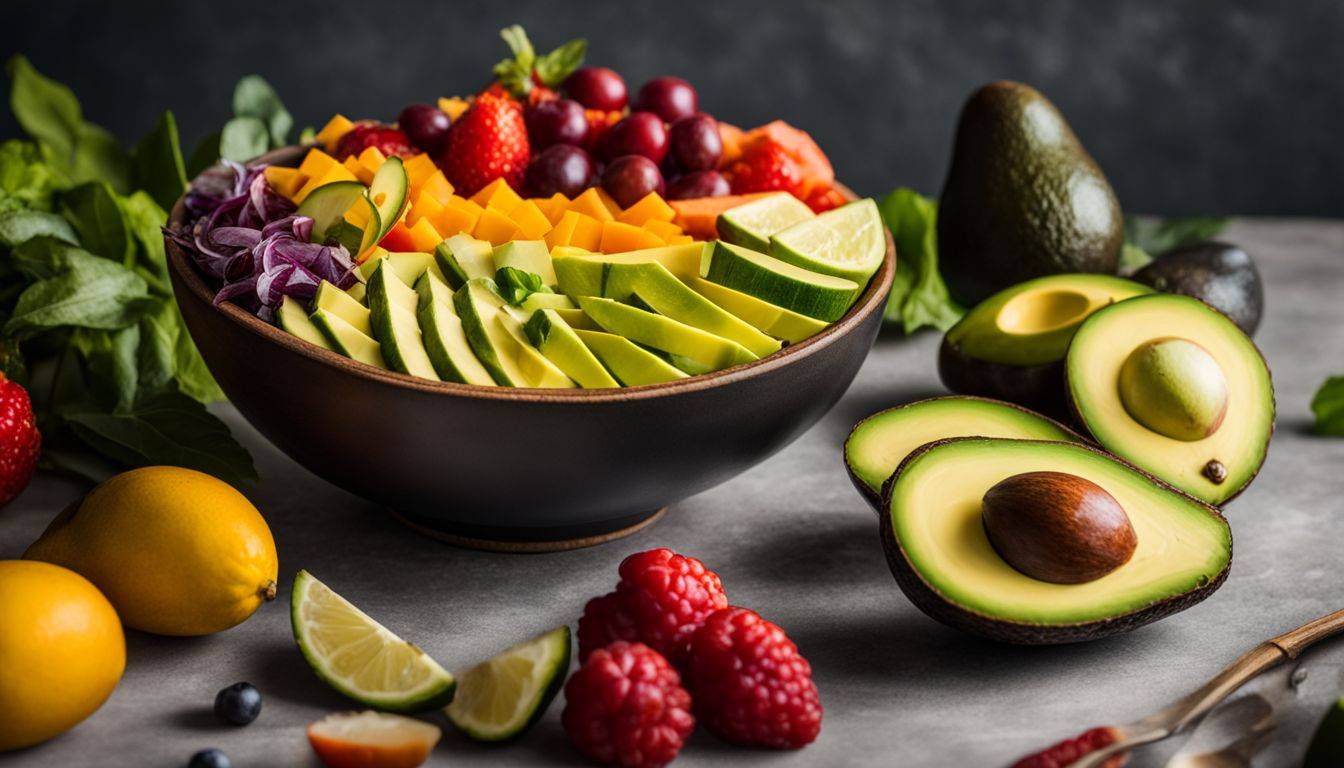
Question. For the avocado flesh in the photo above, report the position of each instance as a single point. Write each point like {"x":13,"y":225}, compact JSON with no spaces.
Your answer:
{"x":665,"y":334}
{"x":558,"y":342}
{"x":681,"y":260}
{"x":527,"y":256}
{"x":765,"y":317}
{"x":1022,"y":198}
{"x":348,"y":340}
{"x":392,"y":307}
{"x":343,"y":305}
{"x":938,"y":550}
{"x":445,"y":340}
{"x":879,"y":443}
{"x":1106,"y":340}
{"x":293,"y":318}
{"x":626,"y":360}
{"x":462,"y":257}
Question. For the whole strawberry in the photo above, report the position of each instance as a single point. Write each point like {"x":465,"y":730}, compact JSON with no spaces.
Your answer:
{"x":625,"y":706}
{"x":765,"y":167}
{"x":20,"y":442}
{"x":390,"y":141}
{"x":750,"y":683}
{"x":662,"y":598}
{"x":489,"y":141}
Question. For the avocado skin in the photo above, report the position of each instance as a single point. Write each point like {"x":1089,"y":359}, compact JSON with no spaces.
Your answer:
{"x":1022,"y":198}
{"x":1221,"y":275}
{"x":1327,"y":746}
{"x":1038,"y":387}
{"x":929,"y":600}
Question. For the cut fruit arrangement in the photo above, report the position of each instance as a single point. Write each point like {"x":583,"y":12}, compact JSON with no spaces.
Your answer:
{"x":546,"y":232}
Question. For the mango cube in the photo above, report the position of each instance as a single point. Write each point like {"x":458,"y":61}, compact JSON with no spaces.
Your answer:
{"x":453,"y":107}
{"x":285,"y":181}
{"x":418,"y":168}
{"x":498,"y":195}
{"x":663,"y":229}
{"x":436,"y":186}
{"x":587,"y":233}
{"x":455,"y":219}
{"x":424,"y":236}
{"x":353,"y":165}
{"x":563,"y":231}
{"x":372,"y":158}
{"x":336,"y":172}
{"x":332,"y":132}
{"x":618,"y":237}
{"x":590,"y":204}
{"x":316,"y":163}
{"x":532,"y":223}
{"x":495,"y":227}
{"x":651,"y":207}
{"x":423,"y":206}
{"x":610,"y":202}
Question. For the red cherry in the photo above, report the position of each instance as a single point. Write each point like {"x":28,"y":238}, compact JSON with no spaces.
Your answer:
{"x":698,"y":184}
{"x":639,"y":133}
{"x":671,"y":98}
{"x":628,"y":179}
{"x":596,"y":88}
{"x":696,"y":143}
{"x":425,"y":125}
{"x":561,"y":121}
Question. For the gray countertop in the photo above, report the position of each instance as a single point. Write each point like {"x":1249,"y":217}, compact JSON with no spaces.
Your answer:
{"x":793,"y":540}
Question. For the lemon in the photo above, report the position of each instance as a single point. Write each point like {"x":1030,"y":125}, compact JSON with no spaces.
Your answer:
{"x":177,"y":552}
{"x":62,"y":651}
{"x":503,"y":696}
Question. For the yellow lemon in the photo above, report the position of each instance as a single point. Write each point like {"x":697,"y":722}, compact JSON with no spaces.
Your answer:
{"x":178,"y":552}
{"x":61,"y":651}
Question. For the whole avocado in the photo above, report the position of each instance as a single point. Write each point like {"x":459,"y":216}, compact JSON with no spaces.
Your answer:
{"x":1219,"y":274}
{"x":1023,"y":198}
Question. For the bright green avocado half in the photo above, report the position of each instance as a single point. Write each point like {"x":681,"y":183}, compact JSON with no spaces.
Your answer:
{"x":1010,"y":346}
{"x":879,"y":443}
{"x":938,"y":549}
{"x":1172,"y":386}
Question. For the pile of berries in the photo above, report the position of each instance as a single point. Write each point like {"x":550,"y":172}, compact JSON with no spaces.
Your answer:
{"x":665,"y":650}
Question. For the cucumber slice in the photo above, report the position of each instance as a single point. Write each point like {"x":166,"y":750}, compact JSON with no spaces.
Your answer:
{"x":392,"y":315}
{"x":498,"y":340}
{"x":750,"y":225}
{"x":341,"y":304}
{"x":666,"y":334}
{"x":348,"y":340}
{"x":557,"y":341}
{"x":445,"y":341}
{"x":360,"y":657}
{"x":359,"y":292}
{"x":849,"y":242}
{"x":528,"y":256}
{"x":766,"y":317}
{"x":627,"y":361}
{"x":508,"y":693}
{"x":546,"y":301}
{"x":407,"y":265}
{"x":388,"y":192}
{"x":824,"y":297}
{"x":327,"y":205}
{"x":462,"y":258}
{"x":293,"y":319}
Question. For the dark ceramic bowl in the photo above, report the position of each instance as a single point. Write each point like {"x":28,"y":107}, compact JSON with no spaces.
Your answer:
{"x":520,"y":468}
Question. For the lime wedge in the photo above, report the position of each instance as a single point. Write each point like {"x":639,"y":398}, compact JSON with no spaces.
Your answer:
{"x":751,"y":224}
{"x":503,"y":696}
{"x":848,"y":242}
{"x":360,"y":657}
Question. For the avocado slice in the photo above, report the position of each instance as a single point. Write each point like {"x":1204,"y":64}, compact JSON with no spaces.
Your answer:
{"x":1011,"y":346}
{"x":392,"y":315}
{"x":445,"y":341}
{"x":388,"y":193}
{"x":665,"y":334}
{"x":879,"y":443}
{"x":348,"y":340}
{"x":498,"y":340}
{"x":573,"y":317}
{"x":527,"y":256}
{"x":406,"y":265}
{"x":1219,"y":274}
{"x":343,"y":305}
{"x":293,"y":319}
{"x":631,"y":364}
{"x":538,"y":301}
{"x":462,"y":257}
{"x":942,"y":558}
{"x":681,"y":260}
{"x":824,"y":297}
{"x":1327,"y":746}
{"x":1141,"y":373}
{"x":558,"y":342}
{"x":1022,"y":197}
{"x":768,"y":318}
{"x":536,"y":367}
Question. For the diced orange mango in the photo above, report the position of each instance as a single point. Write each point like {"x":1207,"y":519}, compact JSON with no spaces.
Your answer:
{"x":532,"y":223}
{"x":612,"y":206}
{"x":590,"y":204}
{"x":436,"y":186}
{"x":618,"y":237}
{"x":453,"y":107}
{"x":332,"y":132}
{"x":495,"y":227}
{"x":424,"y":206}
{"x":563,"y":230}
{"x":498,"y":195}
{"x":650,"y":207}
{"x":465,"y":204}
{"x":285,"y":181}
{"x":455,"y":219}
{"x":418,"y":168}
{"x":399,"y":238}
{"x":680,"y":240}
{"x":353,"y":165}
{"x":336,"y":172}
{"x":663,"y":229}
{"x":425,"y":236}
{"x":587,"y":233}
{"x":316,"y":163}
{"x":372,"y":158}
{"x":358,"y":214}
{"x":731,"y":136}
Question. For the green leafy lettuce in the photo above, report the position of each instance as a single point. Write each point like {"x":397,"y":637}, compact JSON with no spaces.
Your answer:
{"x":1328,"y":407}
{"x":919,"y":296}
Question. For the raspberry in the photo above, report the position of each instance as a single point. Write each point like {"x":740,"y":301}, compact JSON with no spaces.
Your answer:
{"x":625,"y":706}
{"x":387,"y":139}
{"x":823,"y":198}
{"x":765,"y":167}
{"x":662,"y":598}
{"x":20,"y":442}
{"x":1069,"y":751}
{"x":751,"y":685}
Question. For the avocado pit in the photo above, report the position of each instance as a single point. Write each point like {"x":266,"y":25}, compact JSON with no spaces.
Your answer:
{"x":1175,"y":388}
{"x":1057,"y":527}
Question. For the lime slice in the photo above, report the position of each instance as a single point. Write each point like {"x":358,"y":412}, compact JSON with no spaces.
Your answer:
{"x":848,"y":242}
{"x":751,"y":224}
{"x":503,"y":696}
{"x":360,"y":657}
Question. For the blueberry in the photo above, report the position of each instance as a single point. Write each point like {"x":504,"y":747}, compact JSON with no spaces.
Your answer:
{"x":209,"y":758}
{"x":239,"y":704}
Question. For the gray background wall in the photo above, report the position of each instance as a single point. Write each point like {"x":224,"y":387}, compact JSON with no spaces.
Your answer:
{"x":1203,"y":106}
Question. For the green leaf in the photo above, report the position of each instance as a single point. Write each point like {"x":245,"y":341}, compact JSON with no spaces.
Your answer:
{"x":99,"y":157}
{"x":26,"y":180}
{"x":145,"y":220}
{"x":157,"y":163}
{"x":1132,"y":259}
{"x":516,"y":74}
{"x":242,"y":139}
{"x":560,"y":63}
{"x":515,"y":285}
{"x":99,"y":220}
{"x":167,"y":428}
{"x":111,"y":358}
{"x":1158,"y":237}
{"x":193,"y":377}
{"x":254,"y":97}
{"x":1328,"y":407}
{"x":44,"y":256}
{"x":45,"y":109}
{"x":90,"y":293}
{"x":919,"y":296}
{"x":204,"y":155}
{"x":308,"y":135}
{"x":20,"y":226}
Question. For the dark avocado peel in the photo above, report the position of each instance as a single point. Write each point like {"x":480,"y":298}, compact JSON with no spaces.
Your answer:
{"x":1220,"y":274}
{"x":1195,"y":409}
{"x":941,"y":555}
{"x":879,"y":443}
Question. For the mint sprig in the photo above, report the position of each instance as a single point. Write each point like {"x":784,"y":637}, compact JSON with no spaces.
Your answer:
{"x":551,"y":69}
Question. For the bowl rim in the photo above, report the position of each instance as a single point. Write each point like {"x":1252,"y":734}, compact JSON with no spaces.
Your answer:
{"x":188,"y":277}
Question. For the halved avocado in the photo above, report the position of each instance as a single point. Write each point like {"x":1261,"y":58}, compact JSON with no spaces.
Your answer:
{"x":1171,"y":385}
{"x":942,"y":558}
{"x":879,"y":443}
{"x":1011,"y":346}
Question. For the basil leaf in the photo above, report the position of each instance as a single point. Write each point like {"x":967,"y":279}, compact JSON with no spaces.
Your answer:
{"x":45,"y":109}
{"x":919,"y":297}
{"x":165,"y":428}
{"x":204,"y":155}
{"x":98,"y":157}
{"x":157,"y":163}
{"x":515,"y":285}
{"x":242,"y":139}
{"x":97,"y":216}
{"x":1328,"y":407}
{"x":1160,"y":236}
{"x":44,"y":256}
{"x":560,"y":63}
{"x":26,"y":180}
{"x":20,"y":226}
{"x":193,"y":377}
{"x":145,"y":220}
{"x":111,"y":360}
{"x":1132,"y":259}
{"x":254,"y":97}
{"x":90,"y":293}
{"x":308,"y":135}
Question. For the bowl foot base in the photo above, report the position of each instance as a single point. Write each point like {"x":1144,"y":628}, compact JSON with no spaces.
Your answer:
{"x":532,"y":540}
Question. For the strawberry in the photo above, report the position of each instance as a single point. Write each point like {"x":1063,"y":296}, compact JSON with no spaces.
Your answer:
{"x":20,"y":442}
{"x":765,"y":167}
{"x":387,"y":139}
{"x":487,"y":142}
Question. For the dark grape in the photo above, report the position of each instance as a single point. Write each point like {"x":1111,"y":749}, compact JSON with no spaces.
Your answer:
{"x":560,"y":121}
{"x":238,"y":704}
{"x":639,"y":133}
{"x":696,"y":143}
{"x":671,"y":98}
{"x":560,"y":168}
{"x":425,"y":125}
{"x":596,"y":88}
{"x":698,"y":184}
{"x":209,"y":758}
{"x":629,"y":178}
